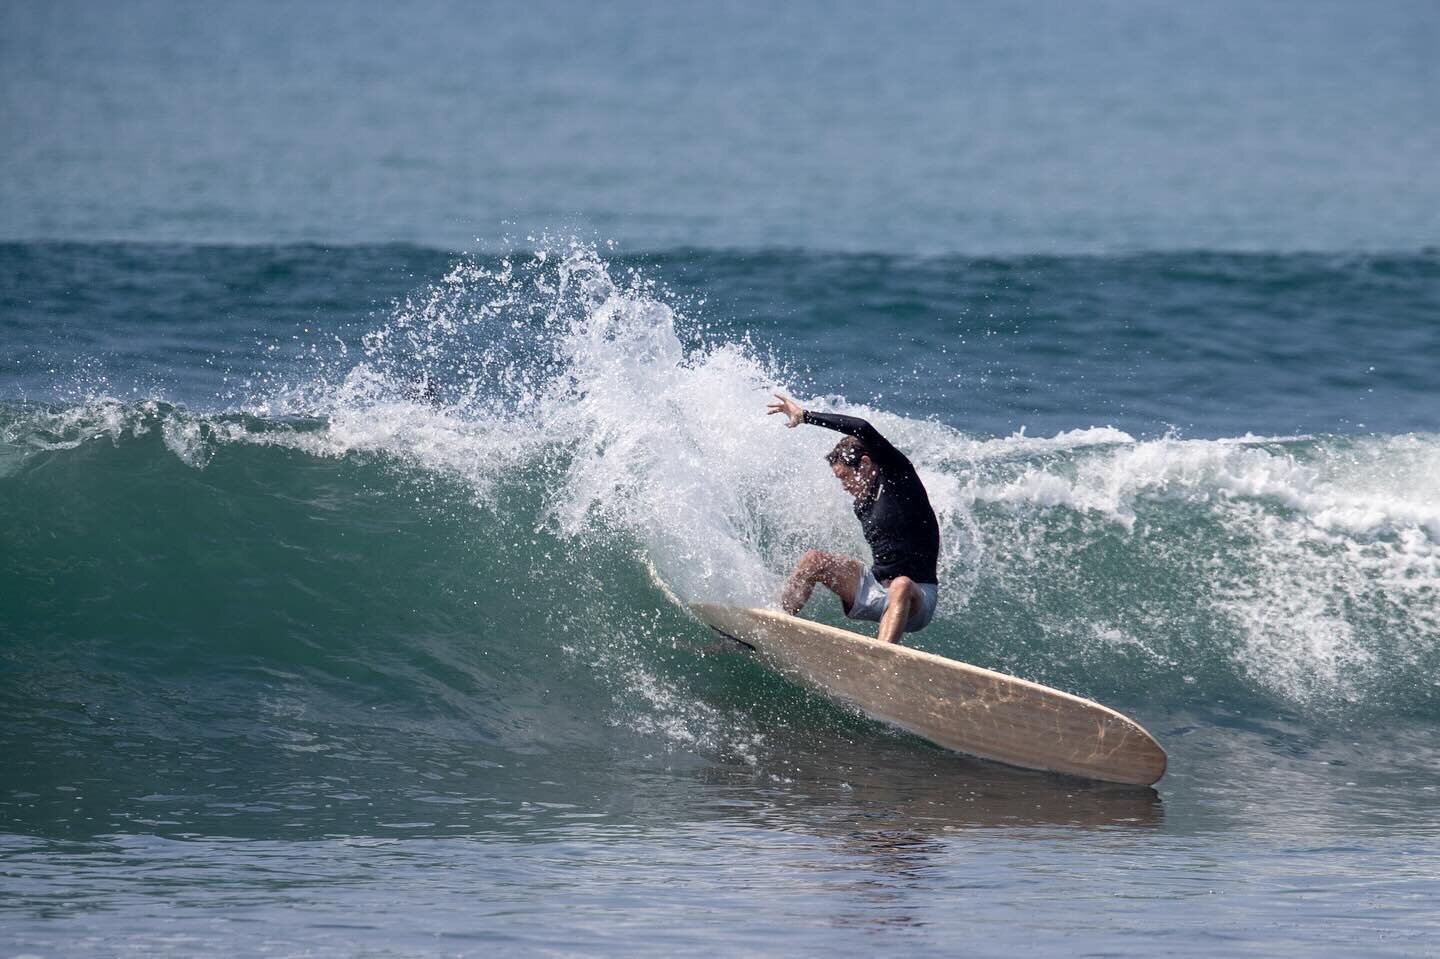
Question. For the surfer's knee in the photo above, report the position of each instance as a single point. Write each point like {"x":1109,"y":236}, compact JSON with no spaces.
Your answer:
{"x":900,"y":588}
{"x":814,"y":560}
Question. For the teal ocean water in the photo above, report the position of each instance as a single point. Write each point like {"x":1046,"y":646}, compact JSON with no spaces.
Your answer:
{"x":297,"y":651}
{"x":342,"y":571}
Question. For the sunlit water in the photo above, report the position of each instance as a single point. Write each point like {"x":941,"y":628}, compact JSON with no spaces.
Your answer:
{"x":341,"y":581}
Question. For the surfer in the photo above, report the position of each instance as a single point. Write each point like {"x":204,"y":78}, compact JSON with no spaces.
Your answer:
{"x":899,"y":591}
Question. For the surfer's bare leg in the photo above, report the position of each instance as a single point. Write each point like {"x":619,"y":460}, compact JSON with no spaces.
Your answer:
{"x":904,"y":596}
{"x":839,"y":573}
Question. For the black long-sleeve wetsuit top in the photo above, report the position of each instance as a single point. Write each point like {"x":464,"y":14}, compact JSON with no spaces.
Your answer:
{"x":896,"y":516}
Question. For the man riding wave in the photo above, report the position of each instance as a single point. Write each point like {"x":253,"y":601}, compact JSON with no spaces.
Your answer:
{"x":900,"y":590}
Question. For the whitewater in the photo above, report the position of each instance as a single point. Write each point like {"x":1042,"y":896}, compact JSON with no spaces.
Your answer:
{"x":1302,"y":568}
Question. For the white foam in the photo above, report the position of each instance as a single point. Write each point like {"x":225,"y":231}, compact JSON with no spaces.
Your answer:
{"x":1374,"y":487}
{"x":639,"y":429}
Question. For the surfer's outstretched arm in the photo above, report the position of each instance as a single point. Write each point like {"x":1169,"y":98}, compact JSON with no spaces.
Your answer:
{"x":880,"y":450}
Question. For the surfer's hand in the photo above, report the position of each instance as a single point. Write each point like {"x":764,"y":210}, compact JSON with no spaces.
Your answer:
{"x":790,"y":408}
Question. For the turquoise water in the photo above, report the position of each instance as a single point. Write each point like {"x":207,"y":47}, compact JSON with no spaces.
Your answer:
{"x":301,"y":658}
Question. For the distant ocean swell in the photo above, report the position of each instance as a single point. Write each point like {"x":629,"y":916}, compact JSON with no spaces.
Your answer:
{"x":1208,"y":344}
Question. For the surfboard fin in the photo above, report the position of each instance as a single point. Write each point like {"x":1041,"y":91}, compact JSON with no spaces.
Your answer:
{"x":721,"y":644}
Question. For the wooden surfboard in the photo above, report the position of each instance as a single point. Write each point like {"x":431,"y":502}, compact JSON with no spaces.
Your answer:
{"x":971,"y":710}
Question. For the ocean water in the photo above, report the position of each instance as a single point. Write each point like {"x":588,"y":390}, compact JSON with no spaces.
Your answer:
{"x":376,"y":385}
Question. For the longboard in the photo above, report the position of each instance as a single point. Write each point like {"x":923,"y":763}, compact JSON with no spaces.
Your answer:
{"x":961,"y":707}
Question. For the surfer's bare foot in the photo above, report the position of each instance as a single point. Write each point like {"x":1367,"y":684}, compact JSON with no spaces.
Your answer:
{"x":788,"y":598}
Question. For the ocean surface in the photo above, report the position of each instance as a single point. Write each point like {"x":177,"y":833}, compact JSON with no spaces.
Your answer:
{"x":377,"y":385}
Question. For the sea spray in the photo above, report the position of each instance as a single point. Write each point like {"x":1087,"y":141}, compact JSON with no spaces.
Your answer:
{"x":609,"y":449}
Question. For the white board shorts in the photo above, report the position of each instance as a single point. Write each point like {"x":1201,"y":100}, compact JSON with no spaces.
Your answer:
{"x":872,"y":598}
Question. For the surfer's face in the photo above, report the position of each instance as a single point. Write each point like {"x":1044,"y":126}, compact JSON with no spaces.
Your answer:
{"x":855,"y":479}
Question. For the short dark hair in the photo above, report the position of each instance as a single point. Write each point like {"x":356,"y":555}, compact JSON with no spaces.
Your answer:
{"x":847,"y":451}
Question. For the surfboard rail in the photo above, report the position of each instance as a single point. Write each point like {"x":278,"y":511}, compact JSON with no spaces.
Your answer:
{"x":965,"y":708}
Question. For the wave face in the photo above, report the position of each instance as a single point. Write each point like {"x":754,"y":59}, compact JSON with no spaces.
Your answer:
{"x":464,"y":543}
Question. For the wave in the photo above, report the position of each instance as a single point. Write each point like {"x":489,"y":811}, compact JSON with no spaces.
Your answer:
{"x":541,"y":447}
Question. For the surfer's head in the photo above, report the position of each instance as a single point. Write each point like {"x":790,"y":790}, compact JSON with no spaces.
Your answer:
{"x":850,"y":462}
